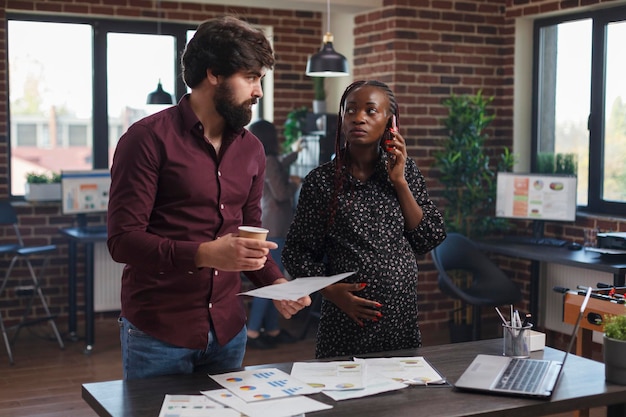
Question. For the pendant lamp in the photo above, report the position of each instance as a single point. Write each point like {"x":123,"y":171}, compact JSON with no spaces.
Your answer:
{"x":159,"y":96}
{"x":327,"y":62}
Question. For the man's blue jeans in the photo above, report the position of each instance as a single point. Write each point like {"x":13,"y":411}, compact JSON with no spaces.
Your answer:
{"x":144,"y":356}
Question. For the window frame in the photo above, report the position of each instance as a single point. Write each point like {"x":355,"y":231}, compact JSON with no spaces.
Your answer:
{"x":600,"y":19}
{"x":101,"y":28}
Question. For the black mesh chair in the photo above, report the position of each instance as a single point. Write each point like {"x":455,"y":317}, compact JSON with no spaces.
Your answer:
{"x":467,"y":274}
{"x":19,"y":252}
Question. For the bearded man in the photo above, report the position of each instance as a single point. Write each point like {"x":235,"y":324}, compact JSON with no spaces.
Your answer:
{"x":182,"y":181}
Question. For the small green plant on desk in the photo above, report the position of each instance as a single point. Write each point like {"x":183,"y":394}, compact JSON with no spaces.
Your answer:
{"x":42,"y":186}
{"x":614,"y":348}
{"x":615,"y":327}
{"x":39,"y":178}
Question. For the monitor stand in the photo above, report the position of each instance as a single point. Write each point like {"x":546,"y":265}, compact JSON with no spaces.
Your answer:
{"x":81,"y":221}
{"x":538,"y":228}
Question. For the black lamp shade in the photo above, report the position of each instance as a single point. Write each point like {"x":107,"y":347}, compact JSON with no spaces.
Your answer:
{"x":159,"y":96}
{"x":327,"y":62}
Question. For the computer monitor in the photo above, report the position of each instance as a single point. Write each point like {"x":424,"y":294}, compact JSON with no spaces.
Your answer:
{"x":85,"y":192}
{"x":538,"y":197}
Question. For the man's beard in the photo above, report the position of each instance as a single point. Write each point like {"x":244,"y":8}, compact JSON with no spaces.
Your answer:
{"x":235,"y":115}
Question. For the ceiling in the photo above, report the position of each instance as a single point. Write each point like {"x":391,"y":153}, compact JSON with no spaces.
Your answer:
{"x":342,"y":6}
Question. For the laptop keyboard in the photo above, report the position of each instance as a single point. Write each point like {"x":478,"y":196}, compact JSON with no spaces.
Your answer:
{"x":522,"y":375}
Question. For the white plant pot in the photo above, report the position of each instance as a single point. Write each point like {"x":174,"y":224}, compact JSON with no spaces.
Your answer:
{"x":614,"y":353}
{"x":319,"y":106}
{"x":42,"y":192}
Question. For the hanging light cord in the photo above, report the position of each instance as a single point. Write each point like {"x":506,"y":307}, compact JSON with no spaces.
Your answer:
{"x":328,"y":16}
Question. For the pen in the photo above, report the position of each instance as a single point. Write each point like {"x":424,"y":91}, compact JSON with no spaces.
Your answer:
{"x":501,"y":317}
{"x":526,"y":319}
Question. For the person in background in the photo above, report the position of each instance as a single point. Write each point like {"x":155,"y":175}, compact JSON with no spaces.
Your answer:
{"x":366,"y":211}
{"x":276,"y":215}
{"x":182,"y":181}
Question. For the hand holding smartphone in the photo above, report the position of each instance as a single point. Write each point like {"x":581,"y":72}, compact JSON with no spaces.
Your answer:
{"x":389,"y":145}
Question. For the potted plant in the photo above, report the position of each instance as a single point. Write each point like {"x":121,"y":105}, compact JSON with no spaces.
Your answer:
{"x":294,"y":124}
{"x":614,"y":350}
{"x":319,"y":100}
{"x":42,"y":187}
{"x":468,"y":177}
{"x":469,"y":186}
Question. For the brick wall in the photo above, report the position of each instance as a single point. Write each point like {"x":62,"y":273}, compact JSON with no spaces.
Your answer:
{"x":424,"y":49}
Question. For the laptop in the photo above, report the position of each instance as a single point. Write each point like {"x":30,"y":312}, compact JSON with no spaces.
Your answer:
{"x":520,"y":377}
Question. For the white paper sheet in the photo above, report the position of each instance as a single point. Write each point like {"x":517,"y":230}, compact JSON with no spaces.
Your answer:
{"x":413,"y":370}
{"x":282,"y":407}
{"x":296,"y":288}
{"x":330,"y":376}
{"x":194,"y":406}
{"x":262,"y":384}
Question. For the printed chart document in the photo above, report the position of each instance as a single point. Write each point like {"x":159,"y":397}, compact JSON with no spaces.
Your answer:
{"x":379,"y":375}
{"x":194,"y":406}
{"x":330,"y":376}
{"x":296,"y":288}
{"x":262,"y":384}
{"x":282,"y":407}
{"x":408,"y":370}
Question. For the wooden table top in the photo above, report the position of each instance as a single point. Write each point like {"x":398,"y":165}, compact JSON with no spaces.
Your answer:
{"x":582,"y":385}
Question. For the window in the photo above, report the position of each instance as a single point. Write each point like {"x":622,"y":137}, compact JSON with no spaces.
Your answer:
{"x":579,"y":108}
{"x":75,"y":91}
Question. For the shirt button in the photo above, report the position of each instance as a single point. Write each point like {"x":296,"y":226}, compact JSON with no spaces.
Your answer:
{"x":222,"y":206}
{"x":190,"y":272}
{"x":210,"y":305}
{"x":219,"y":173}
{"x":216,"y":273}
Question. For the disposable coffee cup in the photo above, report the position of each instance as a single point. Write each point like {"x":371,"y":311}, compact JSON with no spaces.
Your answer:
{"x":252,"y":232}
{"x":516,"y":341}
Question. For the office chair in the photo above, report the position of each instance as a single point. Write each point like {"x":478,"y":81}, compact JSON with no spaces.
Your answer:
{"x":18,"y":251}
{"x":467,"y":274}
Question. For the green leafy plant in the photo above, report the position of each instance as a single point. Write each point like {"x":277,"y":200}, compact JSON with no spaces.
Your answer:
{"x":293,"y":127}
{"x":469,"y":179}
{"x":318,"y":88}
{"x":42,"y":178}
{"x":615,"y":326}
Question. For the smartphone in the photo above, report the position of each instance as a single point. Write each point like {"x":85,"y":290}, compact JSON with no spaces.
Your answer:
{"x":394,"y":128}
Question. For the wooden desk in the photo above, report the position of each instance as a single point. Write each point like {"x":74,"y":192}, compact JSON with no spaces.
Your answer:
{"x":581,"y":385}
{"x":558,"y":255}
{"x":86,"y":236}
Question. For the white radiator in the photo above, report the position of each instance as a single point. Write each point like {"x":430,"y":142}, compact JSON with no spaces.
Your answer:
{"x":107,"y":279}
{"x":551,"y":302}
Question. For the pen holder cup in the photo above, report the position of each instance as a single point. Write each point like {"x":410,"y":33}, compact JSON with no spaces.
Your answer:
{"x":516,"y":341}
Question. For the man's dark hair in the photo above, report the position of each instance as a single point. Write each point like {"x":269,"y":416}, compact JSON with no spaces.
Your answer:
{"x":225,"y":45}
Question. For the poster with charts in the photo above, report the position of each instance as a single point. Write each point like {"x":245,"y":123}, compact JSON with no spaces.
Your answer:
{"x":262,"y":384}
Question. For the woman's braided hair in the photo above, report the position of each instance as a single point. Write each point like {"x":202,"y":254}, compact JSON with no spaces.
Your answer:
{"x":342,"y":156}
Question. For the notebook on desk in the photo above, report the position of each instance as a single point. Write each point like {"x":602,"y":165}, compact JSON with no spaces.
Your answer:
{"x":518,"y":377}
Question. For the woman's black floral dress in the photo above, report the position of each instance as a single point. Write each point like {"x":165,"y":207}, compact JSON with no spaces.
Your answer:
{"x":367,"y":235}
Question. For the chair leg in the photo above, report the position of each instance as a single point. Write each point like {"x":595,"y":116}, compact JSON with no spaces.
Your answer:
{"x":5,"y":336}
{"x":6,"y":341}
{"x":43,"y":299}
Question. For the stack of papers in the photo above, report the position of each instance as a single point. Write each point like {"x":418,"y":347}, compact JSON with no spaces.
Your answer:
{"x":272,"y":392}
{"x":366,"y":377}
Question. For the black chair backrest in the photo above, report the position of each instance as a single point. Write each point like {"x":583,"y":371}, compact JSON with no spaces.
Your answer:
{"x":487,"y":283}
{"x":7,"y":213}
